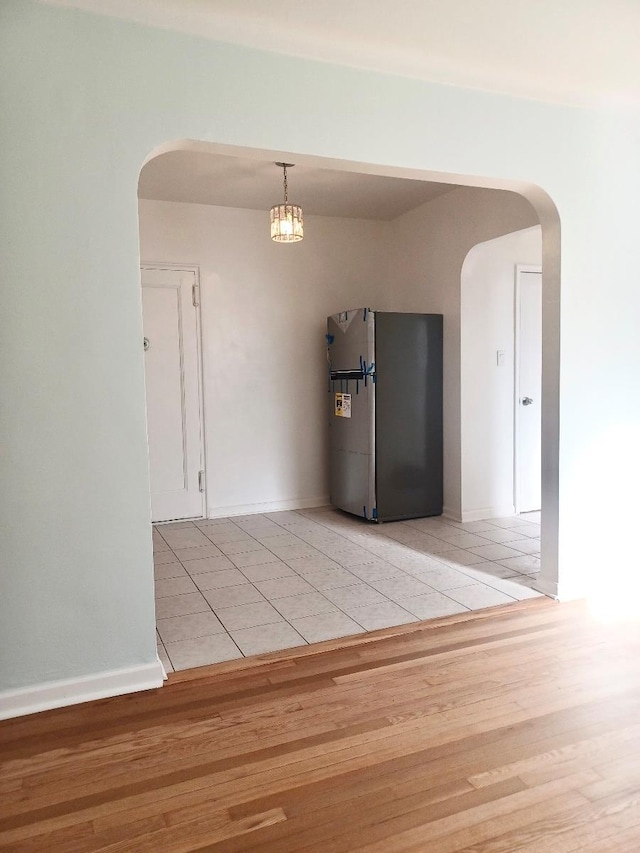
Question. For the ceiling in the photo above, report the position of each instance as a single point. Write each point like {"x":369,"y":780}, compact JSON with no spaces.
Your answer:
{"x":571,"y":51}
{"x":210,"y":178}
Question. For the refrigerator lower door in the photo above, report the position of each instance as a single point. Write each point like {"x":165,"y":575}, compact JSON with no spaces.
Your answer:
{"x":408,"y":415}
{"x":352,"y":412}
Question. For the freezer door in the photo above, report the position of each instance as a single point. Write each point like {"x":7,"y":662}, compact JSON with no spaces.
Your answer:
{"x":351,"y":404}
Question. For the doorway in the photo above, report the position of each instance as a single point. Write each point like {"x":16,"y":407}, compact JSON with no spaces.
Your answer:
{"x":172,"y":359}
{"x":528,"y":388}
{"x":501,"y":368}
{"x":257,"y":315}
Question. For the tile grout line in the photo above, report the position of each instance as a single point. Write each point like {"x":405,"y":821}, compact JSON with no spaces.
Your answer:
{"x":341,"y":534}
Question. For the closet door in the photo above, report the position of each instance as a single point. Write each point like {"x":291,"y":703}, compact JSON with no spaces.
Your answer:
{"x":172,"y":376}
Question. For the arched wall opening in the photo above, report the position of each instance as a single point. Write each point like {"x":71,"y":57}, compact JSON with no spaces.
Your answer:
{"x":490,"y":291}
{"x":500,"y":339}
{"x":399,"y":274}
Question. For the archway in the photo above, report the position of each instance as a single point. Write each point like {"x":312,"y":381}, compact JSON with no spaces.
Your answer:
{"x":469,"y":184}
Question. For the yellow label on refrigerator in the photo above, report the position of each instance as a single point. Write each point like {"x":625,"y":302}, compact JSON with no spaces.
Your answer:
{"x":342,"y":408}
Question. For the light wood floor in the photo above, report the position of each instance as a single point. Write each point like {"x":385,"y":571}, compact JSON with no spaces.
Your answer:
{"x":511,"y":729}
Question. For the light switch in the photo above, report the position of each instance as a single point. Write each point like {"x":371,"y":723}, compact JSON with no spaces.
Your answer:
{"x":500,"y":358}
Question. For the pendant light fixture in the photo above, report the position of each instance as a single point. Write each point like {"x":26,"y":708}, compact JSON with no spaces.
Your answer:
{"x":286,"y":218}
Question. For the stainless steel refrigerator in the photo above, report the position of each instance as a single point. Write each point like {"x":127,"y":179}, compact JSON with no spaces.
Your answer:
{"x":385,"y":391}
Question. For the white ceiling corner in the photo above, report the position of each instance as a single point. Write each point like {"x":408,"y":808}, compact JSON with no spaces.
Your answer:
{"x":572,"y":51}
{"x":567,"y":51}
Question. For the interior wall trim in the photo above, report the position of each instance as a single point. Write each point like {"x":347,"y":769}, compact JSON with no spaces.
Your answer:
{"x":552,"y":589}
{"x":72,"y":691}
{"x":489,"y":512}
{"x":268,"y":506}
{"x":451,"y":514}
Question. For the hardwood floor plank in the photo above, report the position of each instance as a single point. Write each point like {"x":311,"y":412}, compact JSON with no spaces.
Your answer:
{"x":588,"y":750}
{"x":568,"y":831}
{"x":508,"y":729}
{"x":404,"y":821}
{"x":474,"y":825}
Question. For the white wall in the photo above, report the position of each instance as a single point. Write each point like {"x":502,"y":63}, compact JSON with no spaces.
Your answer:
{"x":427,"y":249}
{"x":264,"y":304}
{"x":263,"y":326}
{"x":487,"y":390}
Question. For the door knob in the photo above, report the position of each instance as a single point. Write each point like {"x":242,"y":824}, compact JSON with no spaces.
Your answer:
{"x":527,"y":401}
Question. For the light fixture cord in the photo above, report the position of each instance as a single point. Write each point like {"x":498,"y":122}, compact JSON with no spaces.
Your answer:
{"x":284,"y":168}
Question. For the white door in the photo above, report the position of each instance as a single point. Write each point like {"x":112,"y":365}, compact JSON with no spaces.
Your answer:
{"x":172,"y":375}
{"x":528,"y":473}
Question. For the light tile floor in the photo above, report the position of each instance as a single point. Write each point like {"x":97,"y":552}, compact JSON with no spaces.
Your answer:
{"x":233,"y":587}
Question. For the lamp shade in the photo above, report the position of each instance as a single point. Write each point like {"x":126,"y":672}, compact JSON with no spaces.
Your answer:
{"x":286,"y":218}
{"x":286,"y":223}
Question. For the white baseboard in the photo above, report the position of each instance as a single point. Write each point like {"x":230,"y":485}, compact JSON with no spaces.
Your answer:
{"x":164,"y":671}
{"x":72,"y":691}
{"x":487,"y":513}
{"x":546,"y":587}
{"x":571,"y":591}
{"x":269,"y":506}
{"x":451,"y":514}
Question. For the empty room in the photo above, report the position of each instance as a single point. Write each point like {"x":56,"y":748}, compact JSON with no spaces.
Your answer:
{"x":245,"y":604}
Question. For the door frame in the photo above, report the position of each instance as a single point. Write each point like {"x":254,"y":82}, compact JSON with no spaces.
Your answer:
{"x":519,"y":270}
{"x":195,"y":269}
